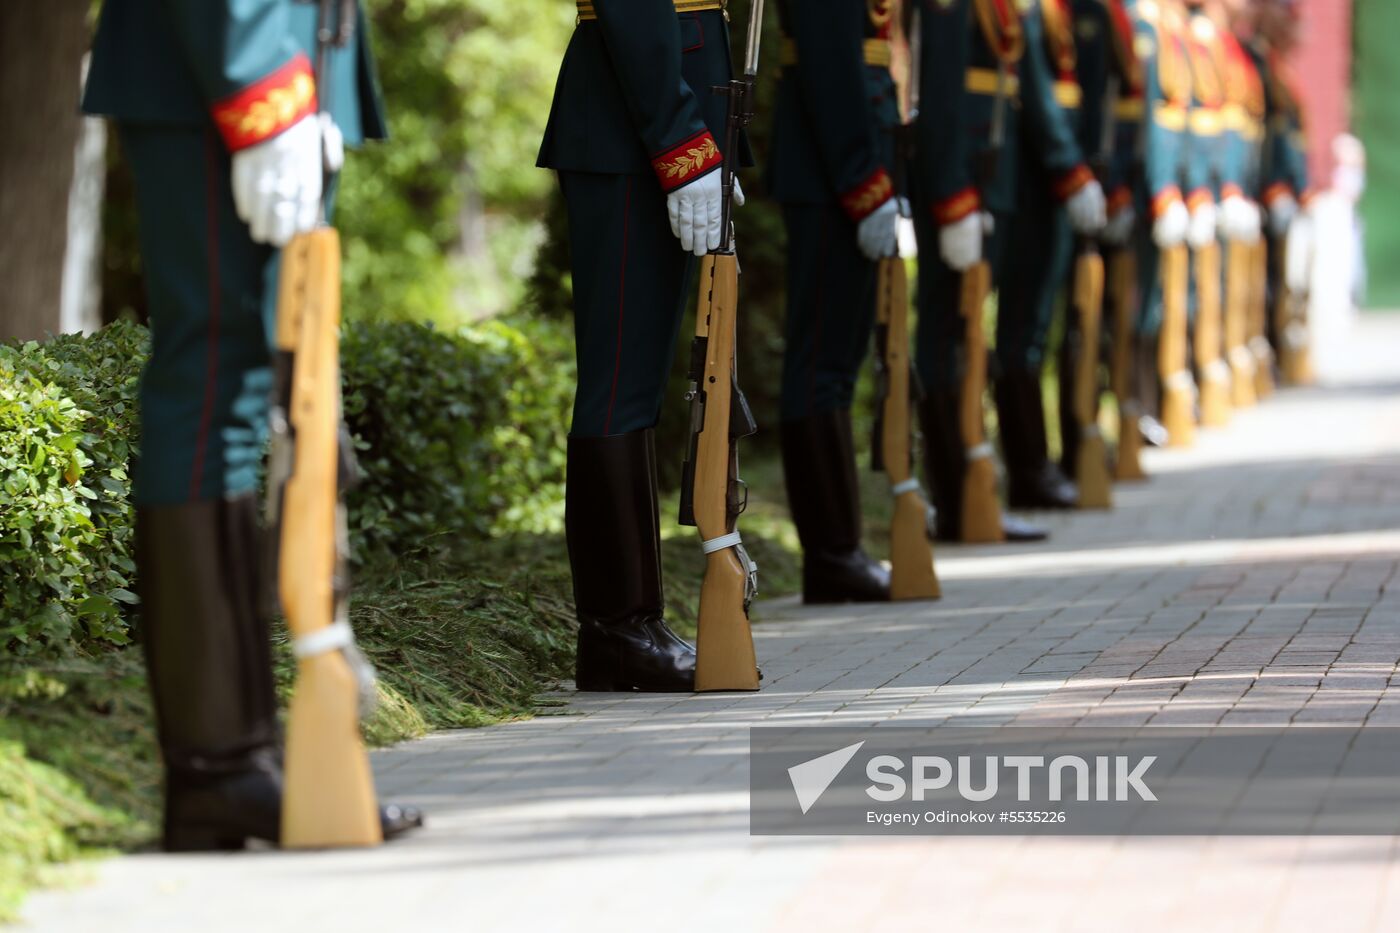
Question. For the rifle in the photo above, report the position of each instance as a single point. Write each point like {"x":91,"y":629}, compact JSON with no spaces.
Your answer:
{"x":1237,"y":315}
{"x":712,"y":494}
{"x":912,"y":573}
{"x":328,"y":795}
{"x":1091,"y":458}
{"x":1295,"y":353}
{"x":981,"y":510}
{"x":1122,"y":290}
{"x":1178,"y":389}
{"x":1259,"y":318}
{"x":1215,"y":373}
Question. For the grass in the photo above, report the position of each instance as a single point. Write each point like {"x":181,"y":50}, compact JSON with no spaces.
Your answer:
{"x":467,"y":640}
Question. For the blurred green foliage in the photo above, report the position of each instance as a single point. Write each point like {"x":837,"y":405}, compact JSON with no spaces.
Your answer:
{"x":442,"y":222}
{"x":67,"y":428}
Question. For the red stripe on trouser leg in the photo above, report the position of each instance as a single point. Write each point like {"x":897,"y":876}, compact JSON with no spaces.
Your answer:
{"x":621,"y":306}
{"x":211,"y":353}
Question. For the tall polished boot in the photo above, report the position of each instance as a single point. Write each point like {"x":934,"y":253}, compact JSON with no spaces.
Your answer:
{"x":819,"y":464}
{"x":209,"y":662}
{"x":1034,"y":481}
{"x":945,"y":460}
{"x":613,"y":530}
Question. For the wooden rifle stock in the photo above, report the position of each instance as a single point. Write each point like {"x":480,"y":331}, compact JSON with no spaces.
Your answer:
{"x":328,"y":796}
{"x":724,"y":647}
{"x":1291,"y":324}
{"x":981,"y":510}
{"x":1178,"y":388}
{"x":1122,"y":287}
{"x":1215,"y":373}
{"x":1091,"y":459}
{"x":912,"y":572}
{"x":1238,"y":268}
{"x":1259,"y":318}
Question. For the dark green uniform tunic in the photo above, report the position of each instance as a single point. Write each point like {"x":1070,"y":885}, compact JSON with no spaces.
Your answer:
{"x":188,"y":83}
{"x":634,"y":118}
{"x":953,"y":137}
{"x":832,"y":166}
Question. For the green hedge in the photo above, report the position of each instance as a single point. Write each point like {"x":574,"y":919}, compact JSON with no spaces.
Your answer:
{"x":67,"y":428}
{"x":458,"y":435}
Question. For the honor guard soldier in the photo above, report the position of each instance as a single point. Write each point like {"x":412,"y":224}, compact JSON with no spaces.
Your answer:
{"x":1158,"y":181}
{"x":1040,"y":246}
{"x":1245,"y":115}
{"x":986,"y":82}
{"x":1284,"y":173}
{"x":832,"y":170}
{"x":632,"y":134}
{"x":1217,"y":202}
{"x":1109,"y":125}
{"x":216,"y":108}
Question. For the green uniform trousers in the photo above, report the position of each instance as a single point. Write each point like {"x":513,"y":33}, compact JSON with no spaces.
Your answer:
{"x":631,"y":287}
{"x":212,"y":297}
{"x":1039,"y":251}
{"x":938,"y":342}
{"x":830,"y":310}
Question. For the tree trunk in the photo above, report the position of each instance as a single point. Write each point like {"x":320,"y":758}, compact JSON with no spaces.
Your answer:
{"x":41,"y":50}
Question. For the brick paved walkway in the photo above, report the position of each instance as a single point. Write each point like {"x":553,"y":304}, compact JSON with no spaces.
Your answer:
{"x":1253,"y":581}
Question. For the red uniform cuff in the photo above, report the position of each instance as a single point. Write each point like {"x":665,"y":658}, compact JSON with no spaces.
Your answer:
{"x":954,"y":208}
{"x":1199,"y":197}
{"x":862,"y":200}
{"x":267,"y":107}
{"x":1231,"y":191}
{"x":1279,"y":189}
{"x":1165,"y":199}
{"x":687,"y":161}
{"x":1069,"y":184}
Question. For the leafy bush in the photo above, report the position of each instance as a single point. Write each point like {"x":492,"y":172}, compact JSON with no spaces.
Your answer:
{"x":459,"y":434}
{"x":67,"y":426}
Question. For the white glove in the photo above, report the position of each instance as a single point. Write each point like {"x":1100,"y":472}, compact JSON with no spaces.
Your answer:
{"x":1254,"y":228}
{"x":1281,"y":213}
{"x":696,"y":209}
{"x":1200,"y":233}
{"x":1119,"y":228}
{"x":1169,"y":229}
{"x":877,"y":233}
{"x":1236,"y":218}
{"x":1088,"y":209}
{"x":960,"y":242}
{"x":277,"y":183}
{"x":332,"y":143}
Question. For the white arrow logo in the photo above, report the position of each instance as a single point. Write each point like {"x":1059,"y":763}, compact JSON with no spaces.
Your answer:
{"x":811,"y":778}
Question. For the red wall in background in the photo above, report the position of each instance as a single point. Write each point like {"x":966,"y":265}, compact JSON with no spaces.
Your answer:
{"x":1323,"y":70}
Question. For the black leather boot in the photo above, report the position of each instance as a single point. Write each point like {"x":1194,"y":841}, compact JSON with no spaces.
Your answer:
{"x":945,"y":461}
{"x":613,"y":530}
{"x":1033,"y":480}
{"x":210,"y":668}
{"x":819,"y":464}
